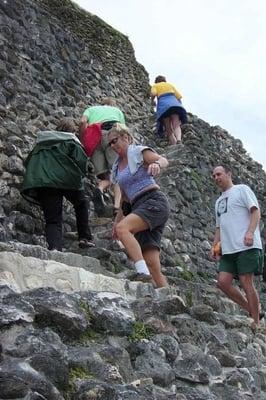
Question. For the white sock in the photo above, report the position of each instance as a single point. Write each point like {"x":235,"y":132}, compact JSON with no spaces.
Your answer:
{"x":141,"y":267}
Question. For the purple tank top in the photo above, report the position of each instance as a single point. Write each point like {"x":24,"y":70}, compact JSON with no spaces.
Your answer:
{"x":132,"y":185}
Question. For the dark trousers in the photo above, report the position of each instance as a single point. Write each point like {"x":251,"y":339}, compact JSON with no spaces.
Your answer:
{"x":51,"y":201}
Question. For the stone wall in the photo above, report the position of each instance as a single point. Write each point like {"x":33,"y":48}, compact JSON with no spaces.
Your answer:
{"x":92,"y":333}
{"x":55,"y":60}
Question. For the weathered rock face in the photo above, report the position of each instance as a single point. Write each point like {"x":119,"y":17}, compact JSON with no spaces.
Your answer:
{"x":91,"y":336}
{"x":99,"y":345}
{"x":55,"y":60}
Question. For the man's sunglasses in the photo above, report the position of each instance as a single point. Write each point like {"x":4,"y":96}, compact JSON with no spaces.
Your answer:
{"x":113,"y":141}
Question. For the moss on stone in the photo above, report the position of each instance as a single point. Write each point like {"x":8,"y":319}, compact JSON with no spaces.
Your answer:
{"x":140,"y":332}
{"x":118,"y":268}
{"x":204,"y":275}
{"x":96,"y":33}
{"x":74,"y":374}
{"x":86,"y":310}
{"x":196,"y":178}
{"x":189,"y":297}
{"x":89,"y":335}
{"x":187,"y":275}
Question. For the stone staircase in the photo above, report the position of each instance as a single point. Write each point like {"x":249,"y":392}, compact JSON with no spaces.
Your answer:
{"x":186,"y":341}
{"x":74,"y":327}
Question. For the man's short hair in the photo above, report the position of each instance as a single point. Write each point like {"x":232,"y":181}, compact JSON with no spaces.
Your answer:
{"x":66,"y":125}
{"x":108,"y":101}
{"x":225,"y":167}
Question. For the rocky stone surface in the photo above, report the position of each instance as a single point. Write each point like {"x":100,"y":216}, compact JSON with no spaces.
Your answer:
{"x":72,"y":324}
{"x":29,"y":273}
{"x":100,"y":345}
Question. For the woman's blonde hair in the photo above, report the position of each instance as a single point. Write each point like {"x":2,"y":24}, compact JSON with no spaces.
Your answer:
{"x":121,"y":130}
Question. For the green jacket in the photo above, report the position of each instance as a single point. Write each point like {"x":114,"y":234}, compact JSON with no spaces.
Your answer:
{"x":57,"y":161}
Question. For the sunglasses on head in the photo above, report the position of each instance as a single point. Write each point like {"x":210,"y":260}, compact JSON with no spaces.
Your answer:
{"x":113,"y":141}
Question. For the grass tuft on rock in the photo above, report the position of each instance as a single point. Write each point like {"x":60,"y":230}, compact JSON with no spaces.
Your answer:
{"x":140,"y":332}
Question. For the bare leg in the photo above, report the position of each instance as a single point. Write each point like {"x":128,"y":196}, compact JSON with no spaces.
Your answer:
{"x":176,"y":127}
{"x":125,"y":231}
{"x":169,"y":130}
{"x":224,"y":283}
{"x":117,"y":195}
{"x":247,"y":284}
{"x":152,"y":258}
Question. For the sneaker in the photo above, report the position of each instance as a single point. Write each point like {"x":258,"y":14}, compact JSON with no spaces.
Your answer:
{"x":85,"y":243}
{"x":141,"y":278}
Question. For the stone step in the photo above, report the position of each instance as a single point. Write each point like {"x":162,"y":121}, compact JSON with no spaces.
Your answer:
{"x":22,"y":273}
{"x":25,"y":273}
{"x":26,"y":267}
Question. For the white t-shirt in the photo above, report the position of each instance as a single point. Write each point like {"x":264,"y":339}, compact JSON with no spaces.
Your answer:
{"x":232,"y":211}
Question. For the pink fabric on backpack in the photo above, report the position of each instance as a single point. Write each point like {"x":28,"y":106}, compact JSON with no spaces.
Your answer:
{"x":91,"y":138}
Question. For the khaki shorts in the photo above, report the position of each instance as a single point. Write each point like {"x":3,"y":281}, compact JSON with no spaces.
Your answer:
{"x":103,"y":156}
{"x":242,"y":262}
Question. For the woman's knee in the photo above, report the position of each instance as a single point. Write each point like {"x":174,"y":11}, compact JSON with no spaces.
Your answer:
{"x":121,"y":229}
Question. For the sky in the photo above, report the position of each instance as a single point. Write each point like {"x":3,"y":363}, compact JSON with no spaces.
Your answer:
{"x":213,"y":51}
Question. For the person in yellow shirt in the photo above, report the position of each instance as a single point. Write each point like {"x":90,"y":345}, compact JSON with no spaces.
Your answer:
{"x":170,"y":113}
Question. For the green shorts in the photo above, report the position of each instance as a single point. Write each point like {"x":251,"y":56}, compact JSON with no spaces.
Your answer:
{"x":103,"y":156}
{"x":242,"y":262}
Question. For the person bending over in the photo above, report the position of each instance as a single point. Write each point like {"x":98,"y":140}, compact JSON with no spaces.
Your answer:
{"x":140,"y":231}
{"x":170,"y":113}
{"x":94,"y":127}
{"x":55,"y":168}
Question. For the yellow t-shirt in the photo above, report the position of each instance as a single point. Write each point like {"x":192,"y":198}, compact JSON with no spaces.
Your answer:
{"x":164,"y":87}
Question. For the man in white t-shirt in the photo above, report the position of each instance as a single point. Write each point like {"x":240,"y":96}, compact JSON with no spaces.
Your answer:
{"x":237,"y":228}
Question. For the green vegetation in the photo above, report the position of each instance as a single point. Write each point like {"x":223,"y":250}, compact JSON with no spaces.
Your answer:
{"x":86,"y":310}
{"x":189,"y":297}
{"x":203,"y":275}
{"x":196,"y":178}
{"x":89,"y":335}
{"x":74,"y":374}
{"x":117,"y":268}
{"x":140,"y":331}
{"x":187,"y":275}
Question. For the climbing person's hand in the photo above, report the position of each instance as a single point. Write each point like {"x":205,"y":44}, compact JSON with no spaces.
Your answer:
{"x":154,"y":169}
